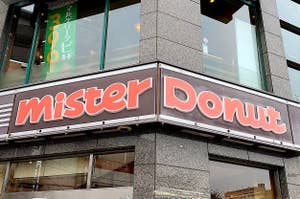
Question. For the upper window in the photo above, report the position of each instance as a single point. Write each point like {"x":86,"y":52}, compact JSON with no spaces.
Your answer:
{"x":229,"y":42}
{"x":289,"y":11}
{"x":230,"y":181}
{"x":70,"y":38}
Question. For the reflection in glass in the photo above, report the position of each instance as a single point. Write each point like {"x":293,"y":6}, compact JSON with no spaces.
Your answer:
{"x":294,"y":76}
{"x":229,"y":43}
{"x":123,"y":33}
{"x":14,"y":68}
{"x":69,"y":41}
{"x":113,"y":170}
{"x":291,"y":44}
{"x":289,"y":11}
{"x":229,"y":181}
{"x":41,"y":175}
{"x":2,"y":175}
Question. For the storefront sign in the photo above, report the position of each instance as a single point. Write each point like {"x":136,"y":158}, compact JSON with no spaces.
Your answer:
{"x":213,"y":106}
{"x":154,"y":93}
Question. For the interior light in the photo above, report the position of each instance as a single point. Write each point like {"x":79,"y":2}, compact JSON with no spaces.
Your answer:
{"x":211,"y":1}
{"x":137,"y":27}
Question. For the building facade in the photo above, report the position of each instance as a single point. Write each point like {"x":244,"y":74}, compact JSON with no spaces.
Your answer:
{"x":120,"y":99}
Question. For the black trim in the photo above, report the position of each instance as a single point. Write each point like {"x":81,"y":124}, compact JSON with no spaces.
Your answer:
{"x":290,"y":27}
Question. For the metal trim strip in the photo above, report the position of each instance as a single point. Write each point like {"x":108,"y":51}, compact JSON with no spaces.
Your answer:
{"x":229,"y":132}
{"x":78,"y":79}
{"x":5,"y":110}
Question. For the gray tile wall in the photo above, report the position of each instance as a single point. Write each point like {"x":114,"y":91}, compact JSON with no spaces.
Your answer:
{"x":171,"y":33}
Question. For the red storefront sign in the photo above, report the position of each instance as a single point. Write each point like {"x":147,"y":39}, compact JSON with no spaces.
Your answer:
{"x":156,"y":93}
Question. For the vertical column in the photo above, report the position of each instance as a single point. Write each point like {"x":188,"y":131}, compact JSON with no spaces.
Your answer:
{"x":171,"y":33}
{"x":273,"y":52}
{"x":182,"y":167}
{"x":292,"y":175}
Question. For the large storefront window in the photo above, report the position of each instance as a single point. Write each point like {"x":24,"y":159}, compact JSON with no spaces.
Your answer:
{"x":69,"y":41}
{"x":18,"y":50}
{"x":230,"y":181}
{"x":72,"y":38}
{"x":123,"y":33}
{"x":113,"y":170}
{"x":41,"y":175}
{"x":229,"y":42}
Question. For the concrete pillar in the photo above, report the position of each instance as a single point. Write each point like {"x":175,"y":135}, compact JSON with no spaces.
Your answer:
{"x":273,"y":52}
{"x":171,"y":33}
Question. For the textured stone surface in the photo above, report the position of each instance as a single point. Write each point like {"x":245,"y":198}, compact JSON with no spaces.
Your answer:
{"x":29,"y":151}
{"x":227,"y":151}
{"x":148,"y":25}
{"x":277,"y":65}
{"x":179,"y":31}
{"x":266,"y":159}
{"x":148,"y":6}
{"x":145,"y":149}
{"x":62,"y":147}
{"x":273,"y":44}
{"x":116,"y":141}
{"x":281,"y":87}
{"x":181,"y":152}
{"x":269,"y":6}
{"x":182,"y":179}
{"x":271,"y":24}
{"x":182,"y":9}
{"x":179,"y":55}
{"x":294,"y":191}
{"x":144,"y":176}
{"x":148,"y":49}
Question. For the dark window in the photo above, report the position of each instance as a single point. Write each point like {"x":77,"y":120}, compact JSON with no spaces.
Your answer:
{"x":113,"y":170}
{"x":230,"y":181}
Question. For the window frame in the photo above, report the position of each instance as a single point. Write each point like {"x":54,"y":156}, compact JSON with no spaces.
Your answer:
{"x":255,"y":8}
{"x":275,"y":178}
{"x":10,"y":18}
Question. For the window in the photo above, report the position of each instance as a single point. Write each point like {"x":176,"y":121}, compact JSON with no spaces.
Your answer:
{"x":58,"y":39}
{"x":291,"y":44}
{"x":289,"y":11}
{"x":289,"y":14}
{"x":109,"y":170}
{"x":14,"y":68}
{"x":41,"y":175}
{"x":113,"y":170}
{"x":229,"y":42}
{"x":230,"y":181}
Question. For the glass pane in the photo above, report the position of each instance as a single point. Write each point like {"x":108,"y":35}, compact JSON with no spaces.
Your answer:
{"x":14,"y":68}
{"x":289,"y":11}
{"x":291,"y":44}
{"x":294,"y":76}
{"x":123,"y":33}
{"x":113,"y":170}
{"x":230,"y":181}
{"x":57,"y":174}
{"x":69,"y":41}
{"x":226,"y":30}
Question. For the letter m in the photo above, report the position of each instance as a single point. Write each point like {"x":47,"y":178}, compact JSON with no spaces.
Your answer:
{"x":34,"y":109}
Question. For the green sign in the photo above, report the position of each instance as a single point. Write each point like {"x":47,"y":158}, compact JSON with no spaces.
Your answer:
{"x":60,"y":45}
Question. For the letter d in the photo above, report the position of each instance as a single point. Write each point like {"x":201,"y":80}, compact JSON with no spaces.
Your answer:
{"x":172,"y":101}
